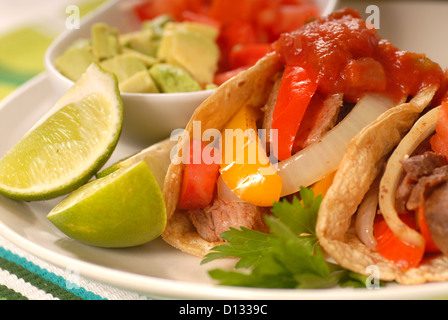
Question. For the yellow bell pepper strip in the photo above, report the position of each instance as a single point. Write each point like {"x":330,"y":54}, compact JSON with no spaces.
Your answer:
{"x":321,"y":187}
{"x":296,"y":89}
{"x":245,"y":167}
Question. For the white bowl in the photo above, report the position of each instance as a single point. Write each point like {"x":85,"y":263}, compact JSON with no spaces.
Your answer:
{"x":147,"y":117}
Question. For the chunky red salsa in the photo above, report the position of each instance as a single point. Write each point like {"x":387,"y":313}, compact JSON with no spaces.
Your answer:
{"x":347,"y":56}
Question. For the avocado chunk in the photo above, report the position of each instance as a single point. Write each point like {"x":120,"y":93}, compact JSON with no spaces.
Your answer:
{"x":147,"y":39}
{"x":195,"y":51}
{"x":157,"y":24}
{"x":143,"y":41}
{"x":171,"y":79}
{"x":141,"y":82}
{"x":105,"y":42}
{"x":147,"y":60}
{"x":75,"y":60}
{"x":123,"y":66}
{"x":200,"y":28}
{"x":163,"y":56}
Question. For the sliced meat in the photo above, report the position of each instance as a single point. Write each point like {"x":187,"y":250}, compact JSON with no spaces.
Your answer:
{"x":403,"y":192}
{"x":436,"y":214}
{"x":423,"y":164}
{"x":416,"y":167}
{"x":213,"y":220}
{"x":425,"y":185}
{"x":320,"y":116}
{"x":268,"y":110}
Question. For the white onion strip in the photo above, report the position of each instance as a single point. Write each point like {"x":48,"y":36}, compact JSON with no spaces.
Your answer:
{"x":315,"y":161}
{"x":225,"y":193}
{"x":365,"y":216}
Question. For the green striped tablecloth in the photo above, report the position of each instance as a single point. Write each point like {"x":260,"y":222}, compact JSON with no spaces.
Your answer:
{"x":26,"y":277}
{"x":22,"y":48}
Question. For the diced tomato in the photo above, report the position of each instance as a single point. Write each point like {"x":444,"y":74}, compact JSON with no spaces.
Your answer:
{"x":293,"y":16}
{"x":200,"y":18}
{"x":238,"y":32}
{"x":153,"y":8}
{"x":234,"y":34}
{"x":228,"y":11}
{"x":199,"y":178}
{"x":248,"y":55}
{"x":430,"y":246}
{"x":439,"y":141}
{"x":296,"y":89}
{"x":404,"y":255}
{"x":361,"y":75}
{"x":222,"y":77}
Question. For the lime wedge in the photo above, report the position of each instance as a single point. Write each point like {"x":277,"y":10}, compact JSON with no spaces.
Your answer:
{"x":122,"y":209}
{"x":69,"y":144}
{"x":157,"y":156}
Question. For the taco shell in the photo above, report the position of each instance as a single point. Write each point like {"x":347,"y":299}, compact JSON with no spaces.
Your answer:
{"x":362,"y":163}
{"x":251,"y":87}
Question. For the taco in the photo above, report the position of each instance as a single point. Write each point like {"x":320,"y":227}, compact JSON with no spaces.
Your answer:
{"x":310,"y":95}
{"x":387,"y":206}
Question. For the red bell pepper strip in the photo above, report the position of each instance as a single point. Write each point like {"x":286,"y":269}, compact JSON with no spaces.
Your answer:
{"x":199,"y":178}
{"x":391,"y":247}
{"x":430,"y":246}
{"x":296,"y":89}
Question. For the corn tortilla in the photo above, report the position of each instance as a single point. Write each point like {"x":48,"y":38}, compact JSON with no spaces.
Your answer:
{"x":362,"y":163}
{"x":251,"y":87}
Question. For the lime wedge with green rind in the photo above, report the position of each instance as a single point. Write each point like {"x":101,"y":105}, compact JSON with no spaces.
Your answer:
{"x":122,"y":209}
{"x":69,"y":144}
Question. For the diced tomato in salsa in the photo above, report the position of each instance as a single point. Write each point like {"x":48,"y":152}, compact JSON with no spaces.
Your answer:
{"x":347,"y":40}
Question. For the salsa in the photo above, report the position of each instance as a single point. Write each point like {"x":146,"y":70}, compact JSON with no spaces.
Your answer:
{"x":347,"y":56}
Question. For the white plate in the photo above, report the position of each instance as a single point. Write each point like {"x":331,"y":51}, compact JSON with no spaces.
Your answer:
{"x":155,"y":269}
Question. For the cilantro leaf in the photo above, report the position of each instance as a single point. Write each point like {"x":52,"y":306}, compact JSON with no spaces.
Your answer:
{"x":301,"y":215}
{"x":246,"y":244}
{"x":288,"y":257}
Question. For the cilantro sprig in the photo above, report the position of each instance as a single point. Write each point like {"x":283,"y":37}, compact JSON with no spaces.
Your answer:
{"x":289,"y":256}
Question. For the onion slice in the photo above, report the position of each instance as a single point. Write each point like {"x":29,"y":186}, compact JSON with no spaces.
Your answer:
{"x":225,"y":193}
{"x":421,"y":130}
{"x":365,"y":216}
{"x":315,"y":161}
